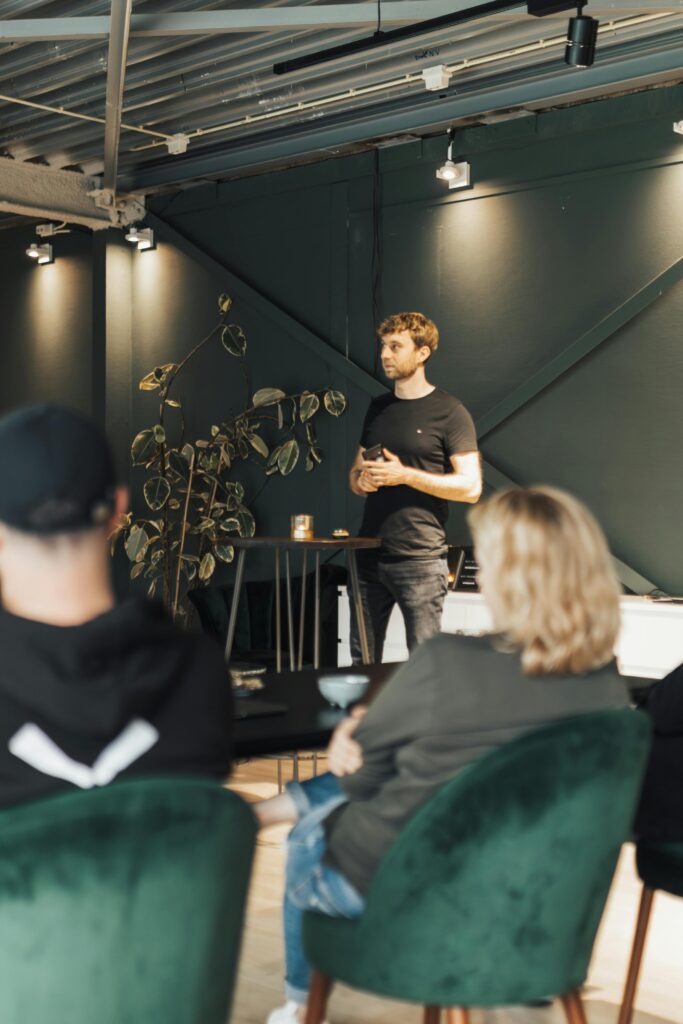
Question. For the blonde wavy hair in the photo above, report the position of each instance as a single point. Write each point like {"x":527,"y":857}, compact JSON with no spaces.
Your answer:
{"x":547,"y":577}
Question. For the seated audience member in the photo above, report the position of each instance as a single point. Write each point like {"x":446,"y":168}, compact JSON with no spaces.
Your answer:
{"x":660,"y":814}
{"x":89,"y":689}
{"x":547,"y":577}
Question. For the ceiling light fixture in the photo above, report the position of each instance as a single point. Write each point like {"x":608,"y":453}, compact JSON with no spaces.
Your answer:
{"x":457,"y":174}
{"x":142,"y":237}
{"x":582,"y":36}
{"x":678,"y":127}
{"x":436,"y":78}
{"x":41,"y":253}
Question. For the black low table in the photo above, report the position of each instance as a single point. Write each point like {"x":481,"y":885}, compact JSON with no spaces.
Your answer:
{"x":309,"y":720}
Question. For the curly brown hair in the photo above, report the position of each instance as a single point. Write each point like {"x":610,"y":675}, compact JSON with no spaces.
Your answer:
{"x":422,"y":330}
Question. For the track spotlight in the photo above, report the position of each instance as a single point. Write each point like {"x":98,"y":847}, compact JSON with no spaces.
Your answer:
{"x":678,"y":127}
{"x":142,"y":237}
{"x":582,"y":36}
{"x":41,"y":253}
{"x":456,"y":174}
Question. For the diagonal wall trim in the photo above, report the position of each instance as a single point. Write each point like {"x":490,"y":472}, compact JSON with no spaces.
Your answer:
{"x":337,"y":362}
{"x":580,"y":348}
{"x":626,"y":574}
{"x":235,"y":286}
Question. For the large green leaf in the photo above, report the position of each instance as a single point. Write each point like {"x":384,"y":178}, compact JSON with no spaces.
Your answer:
{"x":143,"y":447}
{"x":206,"y":567}
{"x":159,"y":434}
{"x":230,"y":525}
{"x":271,"y":465}
{"x":190,"y":569}
{"x":308,"y":405}
{"x":150,"y":382}
{"x":267,"y":396}
{"x":335,"y":402}
{"x":136,"y":543}
{"x":157,"y":491}
{"x":289,"y":454}
{"x":187,"y":452}
{"x":224,"y":552}
{"x":259,"y":445}
{"x":224,"y":303}
{"x":247,"y":523}
{"x":234,"y":340}
{"x":178,"y":463}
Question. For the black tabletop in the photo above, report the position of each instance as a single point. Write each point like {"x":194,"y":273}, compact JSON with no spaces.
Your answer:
{"x":308,"y":721}
{"x":315,"y":543}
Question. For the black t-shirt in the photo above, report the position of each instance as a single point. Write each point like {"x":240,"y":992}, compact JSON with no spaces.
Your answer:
{"x":424,"y":433}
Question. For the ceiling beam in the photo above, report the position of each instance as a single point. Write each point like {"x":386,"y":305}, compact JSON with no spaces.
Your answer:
{"x":422,"y":114}
{"x":34,"y":191}
{"x":116,"y":73}
{"x":271,"y":19}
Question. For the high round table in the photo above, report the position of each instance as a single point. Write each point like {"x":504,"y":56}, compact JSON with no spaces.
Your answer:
{"x":317,"y":544}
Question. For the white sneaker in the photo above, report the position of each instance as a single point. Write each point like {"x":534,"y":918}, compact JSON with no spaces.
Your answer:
{"x":287,"y":1014}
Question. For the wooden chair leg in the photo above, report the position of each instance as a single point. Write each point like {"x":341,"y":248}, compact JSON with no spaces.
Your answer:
{"x":457,"y":1015}
{"x":642,"y":922}
{"x":318,"y":994}
{"x":573,"y":1008}
{"x":431,"y":1015}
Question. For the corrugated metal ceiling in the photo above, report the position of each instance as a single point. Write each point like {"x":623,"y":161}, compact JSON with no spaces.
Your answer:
{"x":220,"y":90}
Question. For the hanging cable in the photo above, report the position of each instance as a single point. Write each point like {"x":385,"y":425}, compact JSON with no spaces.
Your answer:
{"x":377,"y":253}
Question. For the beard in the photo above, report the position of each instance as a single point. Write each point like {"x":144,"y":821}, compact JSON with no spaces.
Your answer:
{"x":404,"y":371}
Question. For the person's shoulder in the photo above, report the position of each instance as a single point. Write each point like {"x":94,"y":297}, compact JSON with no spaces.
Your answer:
{"x":380,"y":402}
{"x":198,"y":652}
{"x":451,"y":648}
{"x":449,"y":401}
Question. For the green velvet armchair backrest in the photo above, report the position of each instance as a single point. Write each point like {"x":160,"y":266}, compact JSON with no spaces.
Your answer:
{"x":493,"y":892}
{"x":124,"y":904}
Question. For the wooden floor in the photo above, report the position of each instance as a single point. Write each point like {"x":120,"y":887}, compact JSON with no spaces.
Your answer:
{"x":259,"y":989}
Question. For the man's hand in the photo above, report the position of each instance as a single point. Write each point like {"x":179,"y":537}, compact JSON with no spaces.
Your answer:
{"x":364,"y":482}
{"x":389,"y":473}
{"x":344,"y":754}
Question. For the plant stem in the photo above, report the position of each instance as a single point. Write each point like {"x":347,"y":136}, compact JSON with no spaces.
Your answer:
{"x":183,"y":530}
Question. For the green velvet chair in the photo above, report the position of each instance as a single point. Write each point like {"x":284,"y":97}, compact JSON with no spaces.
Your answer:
{"x":493,"y":892}
{"x":660,"y":866}
{"x":123,"y":905}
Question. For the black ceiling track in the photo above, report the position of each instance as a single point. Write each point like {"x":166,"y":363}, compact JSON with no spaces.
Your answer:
{"x":379,"y":38}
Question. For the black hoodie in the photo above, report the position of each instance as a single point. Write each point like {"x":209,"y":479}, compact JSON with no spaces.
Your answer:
{"x":83,"y":686}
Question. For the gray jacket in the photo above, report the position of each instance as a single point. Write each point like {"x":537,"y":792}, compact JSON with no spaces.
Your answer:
{"x":453,"y":701}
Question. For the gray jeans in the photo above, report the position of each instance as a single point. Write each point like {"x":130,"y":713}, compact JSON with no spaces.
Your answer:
{"x":417,"y":585}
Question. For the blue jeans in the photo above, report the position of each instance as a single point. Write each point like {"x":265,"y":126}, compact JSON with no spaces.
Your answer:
{"x":310,"y":884}
{"x":417,"y":585}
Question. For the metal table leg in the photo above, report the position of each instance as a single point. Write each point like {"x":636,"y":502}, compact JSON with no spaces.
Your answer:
{"x":360,"y":618}
{"x":278,"y":625}
{"x":302,"y":615}
{"x":239,"y":576}
{"x":316,"y":620}
{"x":290,"y":615}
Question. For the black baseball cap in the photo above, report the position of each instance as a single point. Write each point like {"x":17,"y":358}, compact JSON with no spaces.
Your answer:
{"x":56,"y":471}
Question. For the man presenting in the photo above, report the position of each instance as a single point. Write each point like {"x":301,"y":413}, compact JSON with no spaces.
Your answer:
{"x":418,"y":451}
